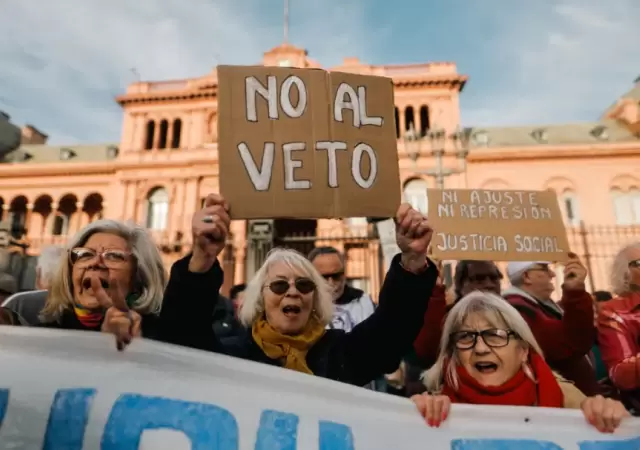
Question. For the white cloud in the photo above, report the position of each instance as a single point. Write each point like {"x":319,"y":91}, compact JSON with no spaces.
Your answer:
{"x":566,"y":61}
{"x":64,"y":61}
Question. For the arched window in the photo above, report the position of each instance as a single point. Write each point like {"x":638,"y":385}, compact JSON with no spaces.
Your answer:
{"x":570,"y":208}
{"x":150,"y":135}
{"x":158,"y":209}
{"x":415,"y":193}
{"x":164,"y":129}
{"x":634,"y":199}
{"x":177,"y":131}
{"x":622,"y":207}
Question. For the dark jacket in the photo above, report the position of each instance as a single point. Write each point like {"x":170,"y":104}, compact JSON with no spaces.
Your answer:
{"x":225,"y":324}
{"x":69,"y":321}
{"x":374,"y":347}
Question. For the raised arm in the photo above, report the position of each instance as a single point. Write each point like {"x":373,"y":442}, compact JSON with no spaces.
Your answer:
{"x":195,"y":281}
{"x":377,"y":345}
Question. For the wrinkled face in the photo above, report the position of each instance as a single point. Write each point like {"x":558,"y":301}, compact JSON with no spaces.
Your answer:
{"x":107,"y":257}
{"x":539,"y":280}
{"x":288,"y":298}
{"x":331,"y":268}
{"x":496,"y":356}
{"x":482,"y":276}
{"x":633,"y":256}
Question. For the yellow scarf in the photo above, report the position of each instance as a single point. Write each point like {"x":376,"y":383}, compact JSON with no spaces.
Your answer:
{"x":292,"y":350}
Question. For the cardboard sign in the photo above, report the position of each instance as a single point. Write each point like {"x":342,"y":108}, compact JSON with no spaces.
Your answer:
{"x":497,"y":225}
{"x":305,"y":143}
{"x":164,"y":397}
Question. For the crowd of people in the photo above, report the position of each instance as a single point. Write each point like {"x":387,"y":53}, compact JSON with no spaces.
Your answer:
{"x":476,"y":343}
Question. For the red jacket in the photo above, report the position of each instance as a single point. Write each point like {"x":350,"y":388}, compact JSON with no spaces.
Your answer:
{"x":566,"y":337}
{"x":619,"y":340}
{"x":427,"y":344}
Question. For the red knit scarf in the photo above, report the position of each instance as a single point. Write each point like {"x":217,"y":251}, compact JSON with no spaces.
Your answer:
{"x":518,"y":391}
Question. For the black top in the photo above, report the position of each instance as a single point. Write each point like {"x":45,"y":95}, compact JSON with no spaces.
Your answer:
{"x":69,"y":321}
{"x":374,"y":347}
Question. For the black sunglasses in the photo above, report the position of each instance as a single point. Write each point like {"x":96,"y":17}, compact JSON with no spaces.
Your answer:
{"x":337,"y":276}
{"x":303,"y":285}
{"x":494,"y":338}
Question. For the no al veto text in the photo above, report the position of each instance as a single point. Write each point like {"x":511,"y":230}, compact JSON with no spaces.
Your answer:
{"x":346,"y":98}
{"x":211,"y":427}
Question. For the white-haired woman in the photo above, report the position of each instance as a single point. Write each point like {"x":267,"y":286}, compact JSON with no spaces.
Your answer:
{"x":287,"y":305}
{"x":618,"y":326}
{"x":111,"y":278}
{"x":488,"y":356}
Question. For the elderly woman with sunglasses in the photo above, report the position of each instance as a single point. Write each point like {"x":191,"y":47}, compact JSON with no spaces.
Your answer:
{"x":489,"y":356}
{"x":111,"y":279}
{"x":288,"y":304}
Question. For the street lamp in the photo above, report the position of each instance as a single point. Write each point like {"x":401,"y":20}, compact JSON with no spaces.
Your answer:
{"x":413,"y":145}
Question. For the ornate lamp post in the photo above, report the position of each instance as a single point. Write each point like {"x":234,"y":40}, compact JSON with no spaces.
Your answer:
{"x":414,"y":142}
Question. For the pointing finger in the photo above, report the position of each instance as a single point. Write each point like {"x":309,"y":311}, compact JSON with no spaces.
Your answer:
{"x":100,"y":293}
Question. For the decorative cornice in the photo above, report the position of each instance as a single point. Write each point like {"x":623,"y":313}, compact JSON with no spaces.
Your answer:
{"x":547,"y":153}
{"x":165,"y":97}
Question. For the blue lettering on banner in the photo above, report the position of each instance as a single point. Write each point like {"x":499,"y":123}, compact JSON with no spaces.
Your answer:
{"x":4,"y":403}
{"x":502,"y":444}
{"x":629,"y":444}
{"x":207,"y":426}
{"x":277,"y":430}
{"x":68,"y":419}
{"x":335,"y":436}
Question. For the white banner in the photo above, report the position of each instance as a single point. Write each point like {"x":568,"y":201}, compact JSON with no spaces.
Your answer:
{"x":73,"y":391}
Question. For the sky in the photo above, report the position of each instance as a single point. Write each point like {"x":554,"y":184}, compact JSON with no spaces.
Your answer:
{"x":529,"y":62}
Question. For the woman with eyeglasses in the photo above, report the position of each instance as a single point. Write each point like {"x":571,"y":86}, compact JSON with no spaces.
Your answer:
{"x":489,"y":356}
{"x":619,"y":326}
{"x":469,"y":276}
{"x":111,"y":279}
{"x":288,"y":304}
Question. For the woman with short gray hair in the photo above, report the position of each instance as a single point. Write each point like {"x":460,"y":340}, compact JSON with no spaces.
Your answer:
{"x":287,"y":305}
{"x":489,"y":356}
{"x":111,"y":278}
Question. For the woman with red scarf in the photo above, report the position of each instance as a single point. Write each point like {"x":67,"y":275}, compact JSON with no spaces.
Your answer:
{"x":488,"y":356}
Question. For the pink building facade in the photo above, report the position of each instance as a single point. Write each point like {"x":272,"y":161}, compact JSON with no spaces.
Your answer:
{"x":166,"y":162}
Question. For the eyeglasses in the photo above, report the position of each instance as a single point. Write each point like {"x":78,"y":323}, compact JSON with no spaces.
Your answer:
{"x":494,"y":338}
{"x":303,"y":285}
{"x":84,"y":257}
{"x":337,"y":276}
{"x":634,"y":264}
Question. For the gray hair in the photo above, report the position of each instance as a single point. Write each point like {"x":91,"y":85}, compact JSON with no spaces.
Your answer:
{"x":48,"y":262}
{"x":517,"y":279}
{"x":150,"y":274}
{"x":495,"y":310}
{"x":620,"y":269}
{"x":253,"y":305}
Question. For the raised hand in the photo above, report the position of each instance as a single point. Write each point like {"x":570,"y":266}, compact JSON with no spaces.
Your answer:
{"x":413,"y":236}
{"x":575,"y":273}
{"x":119,"y":320}
{"x":210,"y":228}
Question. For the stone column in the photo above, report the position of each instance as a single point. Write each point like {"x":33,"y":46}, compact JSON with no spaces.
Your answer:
{"x":51,"y":218}
{"x":27,"y":217}
{"x":401,"y":121}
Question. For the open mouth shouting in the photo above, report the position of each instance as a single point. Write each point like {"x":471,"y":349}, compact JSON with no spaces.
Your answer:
{"x":486,"y":367}
{"x":291,"y":311}
{"x":86,"y":283}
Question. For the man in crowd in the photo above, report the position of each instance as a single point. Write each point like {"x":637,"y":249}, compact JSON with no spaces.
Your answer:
{"x":352,"y":305}
{"x":565,"y":331}
{"x":29,"y":304}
